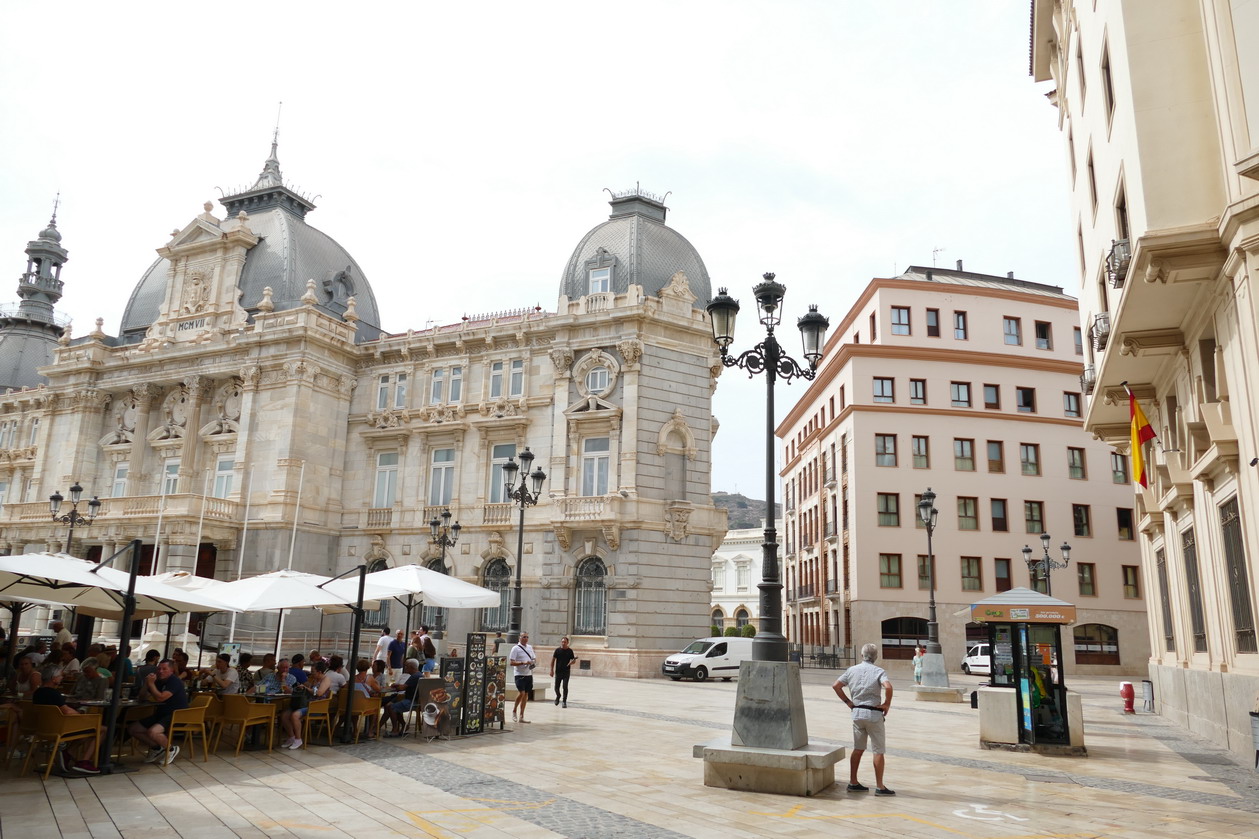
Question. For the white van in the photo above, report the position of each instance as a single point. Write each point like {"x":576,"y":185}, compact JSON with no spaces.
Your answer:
{"x":718,"y":657}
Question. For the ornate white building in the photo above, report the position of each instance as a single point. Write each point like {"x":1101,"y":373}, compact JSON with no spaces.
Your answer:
{"x":252,"y":412}
{"x":736,"y":601}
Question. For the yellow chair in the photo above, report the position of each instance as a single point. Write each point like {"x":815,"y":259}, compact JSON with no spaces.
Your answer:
{"x":366,"y":709}
{"x":188,"y":722}
{"x":57,"y":729}
{"x":213,"y":712}
{"x":317,"y":712}
{"x":10,"y":725}
{"x":240,"y":712}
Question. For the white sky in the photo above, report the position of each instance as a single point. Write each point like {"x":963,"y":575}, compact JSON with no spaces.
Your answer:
{"x":460,"y":149}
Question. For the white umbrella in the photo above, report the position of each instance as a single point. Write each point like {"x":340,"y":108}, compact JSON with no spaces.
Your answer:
{"x":297,"y":590}
{"x":438,"y":589}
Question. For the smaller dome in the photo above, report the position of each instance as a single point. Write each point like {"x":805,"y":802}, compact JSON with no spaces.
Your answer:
{"x":50,"y":232}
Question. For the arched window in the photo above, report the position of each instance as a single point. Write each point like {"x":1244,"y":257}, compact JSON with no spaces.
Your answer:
{"x":432,"y":616}
{"x":719,"y":619}
{"x":742,"y":618}
{"x":497,"y":578}
{"x":900,"y":635}
{"x":1096,"y":643}
{"x":591,"y":612}
{"x":380,"y":617}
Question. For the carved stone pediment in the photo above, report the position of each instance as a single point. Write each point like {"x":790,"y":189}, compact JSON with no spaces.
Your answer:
{"x":677,"y":517}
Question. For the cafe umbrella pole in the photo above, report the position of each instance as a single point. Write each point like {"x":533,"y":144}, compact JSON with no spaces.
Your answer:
{"x":357,"y":628}
{"x":105,"y":761}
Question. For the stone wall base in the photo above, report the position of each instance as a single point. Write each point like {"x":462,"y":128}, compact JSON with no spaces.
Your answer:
{"x":805,"y":771}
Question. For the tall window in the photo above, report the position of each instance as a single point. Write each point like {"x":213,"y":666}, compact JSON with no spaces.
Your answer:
{"x":32,"y":436}
{"x":119,"y":488}
{"x":437,"y":394}
{"x":967,"y":513}
{"x":517,"y":384}
{"x":456,"y":384}
{"x":917,"y":391}
{"x":1086,"y":572}
{"x":1013,"y":330}
{"x":386,"y":479}
{"x":441,"y":482}
{"x":972,"y":574}
{"x":1029,"y":458}
{"x":959,"y":326}
{"x":933,"y":323}
{"x":1131,"y":582}
{"x":884,"y":389}
{"x":924,"y":572}
{"x":1000,"y":515}
{"x":1075,"y":464}
{"x":996,"y":456}
{"x":963,"y":455}
{"x":499,"y":455}
{"x":224,"y":473}
{"x":900,"y":320}
{"x":1118,"y":468}
{"x":889,"y":570}
{"x":496,"y":379}
{"x":591,"y":611}
{"x":1070,"y":404}
{"x":889,"y":509}
{"x":1238,"y":580}
{"x":4,"y":492}
{"x":884,"y":449}
{"x":1025,"y":399}
{"x":594,"y":465}
{"x":377,"y":617}
{"x":992,"y":397}
{"x":1001,"y":575}
{"x":1044,"y":336}
{"x":391,"y":390}
{"x":922,"y":453}
{"x":1034,"y":516}
{"x":170,"y":476}
{"x":719,"y":577}
{"x":1193,"y":582}
{"x":600,"y":280}
{"x":960,"y":393}
{"x":1169,"y":631}
{"x":1123,"y":523}
{"x":497,"y":578}
{"x":1077,"y":335}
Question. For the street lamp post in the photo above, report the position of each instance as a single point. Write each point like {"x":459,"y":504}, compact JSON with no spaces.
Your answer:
{"x":444,"y":534}
{"x":768,"y":357}
{"x":525,"y":497}
{"x":74,"y":517}
{"x":927,"y":513}
{"x":1046,"y":564}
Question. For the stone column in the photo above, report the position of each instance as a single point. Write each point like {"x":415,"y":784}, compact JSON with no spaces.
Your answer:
{"x":137,"y":477}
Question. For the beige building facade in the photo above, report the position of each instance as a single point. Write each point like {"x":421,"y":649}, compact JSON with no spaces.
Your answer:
{"x":967,"y":384}
{"x":1158,"y":104}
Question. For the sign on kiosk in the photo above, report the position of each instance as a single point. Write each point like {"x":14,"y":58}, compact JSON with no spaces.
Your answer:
{"x":1001,"y":613}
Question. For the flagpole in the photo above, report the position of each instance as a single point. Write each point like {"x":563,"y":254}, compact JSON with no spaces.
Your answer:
{"x":240,"y":552}
{"x":297,"y":514}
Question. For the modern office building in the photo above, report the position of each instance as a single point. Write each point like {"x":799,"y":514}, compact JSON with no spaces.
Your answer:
{"x":252,"y":414}
{"x":967,"y":384}
{"x":1158,"y":106}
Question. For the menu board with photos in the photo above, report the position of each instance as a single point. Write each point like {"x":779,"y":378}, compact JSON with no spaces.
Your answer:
{"x":452,"y":673}
{"x":474,"y":685}
{"x":495,"y":690}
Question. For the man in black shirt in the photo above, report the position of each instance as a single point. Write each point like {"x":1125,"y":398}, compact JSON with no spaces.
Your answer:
{"x":83,"y":762}
{"x":396,"y":711}
{"x":561,"y":669}
{"x":164,"y":688}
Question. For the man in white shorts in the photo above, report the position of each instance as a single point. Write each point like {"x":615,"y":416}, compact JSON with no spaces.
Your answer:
{"x":869,"y":709}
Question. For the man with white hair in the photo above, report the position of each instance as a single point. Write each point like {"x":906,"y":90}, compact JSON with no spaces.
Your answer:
{"x":867,"y":682}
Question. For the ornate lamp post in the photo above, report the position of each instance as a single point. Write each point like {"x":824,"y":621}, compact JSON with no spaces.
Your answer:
{"x":1046,"y":564}
{"x":768,"y":357}
{"x":445,"y":534}
{"x":927,"y":513}
{"x":525,"y":497}
{"x":74,"y":517}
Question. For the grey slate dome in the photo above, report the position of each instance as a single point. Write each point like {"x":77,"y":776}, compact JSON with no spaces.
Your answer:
{"x":639,"y":248}
{"x":289,"y":253}
{"x":29,"y":330}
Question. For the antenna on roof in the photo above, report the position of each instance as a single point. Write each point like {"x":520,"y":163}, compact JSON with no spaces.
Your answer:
{"x":934,"y":253}
{"x":55,"y":204}
{"x":275,"y":136}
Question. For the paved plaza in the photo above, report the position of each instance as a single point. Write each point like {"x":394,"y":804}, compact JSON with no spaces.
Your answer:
{"x":617,"y":762}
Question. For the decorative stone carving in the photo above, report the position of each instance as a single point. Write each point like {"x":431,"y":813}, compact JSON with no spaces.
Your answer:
{"x":1156,"y":271}
{"x":503,"y":407}
{"x":612,"y":535}
{"x":442,"y":413}
{"x":377,"y":551}
{"x":631,"y":350}
{"x":564,"y":536}
{"x":64,"y":340}
{"x":351,"y":311}
{"x":346,"y":384}
{"x":250,"y":375}
{"x":677,"y":516}
{"x":309,"y":298}
{"x":267,"y":304}
{"x":91,"y":399}
{"x":677,"y":423}
{"x":389,"y":418}
{"x":196,"y":296}
{"x":679,"y":288}
{"x":562,"y":358}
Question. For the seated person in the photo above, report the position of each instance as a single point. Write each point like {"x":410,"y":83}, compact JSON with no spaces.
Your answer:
{"x":149,"y":666}
{"x":91,"y":685}
{"x":364,"y":681}
{"x":396,"y":710}
{"x":247,"y":679}
{"x":83,"y":761}
{"x":166,"y":689}
{"x":69,"y":663}
{"x":267,"y":668}
{"x":27,"y":679}
{"x":224,"y":679}
{"x":318,"y":686}
{"x":279,"y":680}
{"x":336,"y":668}
{"x":298,"y":669}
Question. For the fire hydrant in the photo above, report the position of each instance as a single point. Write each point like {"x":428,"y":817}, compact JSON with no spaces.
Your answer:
{"x":1129,"y":697}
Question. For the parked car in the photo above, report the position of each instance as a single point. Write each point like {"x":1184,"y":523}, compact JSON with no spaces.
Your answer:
{"x":719,"y":657}
{"x":977,"y":661}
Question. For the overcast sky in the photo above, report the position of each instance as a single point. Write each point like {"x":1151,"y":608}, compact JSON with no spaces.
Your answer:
{"x":460,"y":150}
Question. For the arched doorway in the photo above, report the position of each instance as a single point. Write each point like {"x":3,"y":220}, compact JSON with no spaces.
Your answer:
{"x":590,"y":613}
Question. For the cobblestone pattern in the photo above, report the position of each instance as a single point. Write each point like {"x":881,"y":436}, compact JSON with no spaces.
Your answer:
{"x":561,"y":815}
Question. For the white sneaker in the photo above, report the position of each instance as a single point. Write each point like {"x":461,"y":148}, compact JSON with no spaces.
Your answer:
{"x":171,"y":755}
{"x":288,"y":741}
{"x":154,"y":754}
{"x":296,"y":744}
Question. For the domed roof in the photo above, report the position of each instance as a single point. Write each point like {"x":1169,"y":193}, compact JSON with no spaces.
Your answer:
{"x":640,"y":248}
{"x":24,"y":348}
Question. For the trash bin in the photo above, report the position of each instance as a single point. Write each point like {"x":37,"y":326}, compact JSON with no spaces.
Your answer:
{"x":974,"y":699}
{"x":1147,"y":696}
{"x":1254,"y":735}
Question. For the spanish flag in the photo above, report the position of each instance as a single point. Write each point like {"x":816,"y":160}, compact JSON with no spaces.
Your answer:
{"x":1142,"y":432}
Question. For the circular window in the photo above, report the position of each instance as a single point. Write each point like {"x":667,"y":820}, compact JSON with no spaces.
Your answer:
{"x":597,"y":380}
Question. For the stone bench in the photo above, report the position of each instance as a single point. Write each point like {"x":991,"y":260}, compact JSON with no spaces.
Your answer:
{"x":805,"y":771}
{"x":540,"y":692}
{"x":922,"y":693}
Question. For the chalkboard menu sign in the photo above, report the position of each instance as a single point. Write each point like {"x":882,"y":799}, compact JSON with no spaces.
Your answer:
{"x":495,"y":690}
{"x":474,"y":699}
{"x":452,"y":673}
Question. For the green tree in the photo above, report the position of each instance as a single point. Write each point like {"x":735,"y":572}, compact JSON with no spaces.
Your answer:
{"x":731,"y":631}
{"x":749,"y":631}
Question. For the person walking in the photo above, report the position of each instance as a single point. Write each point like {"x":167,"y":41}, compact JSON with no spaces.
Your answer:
{"x":382,"y":645}
{"x":867,"y":681}
{"x":919,"y":652}
{"x":522,"y":661}
{"x":397,"y":648}
{"x":561,"y":669}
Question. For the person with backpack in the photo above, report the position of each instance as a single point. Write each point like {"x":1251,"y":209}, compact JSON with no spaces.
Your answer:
{"x":429,"y":649}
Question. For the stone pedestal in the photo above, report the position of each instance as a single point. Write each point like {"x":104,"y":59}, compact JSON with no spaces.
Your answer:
{"x":923,"y":693}
{"x":934,"y":674}
{"x":768,"y":749}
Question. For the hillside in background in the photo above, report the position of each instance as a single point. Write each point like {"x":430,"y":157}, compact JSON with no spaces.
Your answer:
{"x":744,"y":512}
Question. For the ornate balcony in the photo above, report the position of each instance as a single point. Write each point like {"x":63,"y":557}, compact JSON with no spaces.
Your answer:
{"x":1118,"y":261}
{"x":1100,"y":330}
{"x":1088,"y":379}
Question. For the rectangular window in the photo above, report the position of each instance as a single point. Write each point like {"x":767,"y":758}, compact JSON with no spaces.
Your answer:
{"x":1118,"y":468}
{"x":924,"y":572}
{"x":889,"y":509}
{"x":1237,"y":577}
{"x":499,"y":455}
{"x":959,"y":326}
{"x":959,"y":392}
{"x":1092,"y":173}
{"x":1013,"y":330}
{"x":1108,"y":90}
{"x":437,"y":393}
{"x":1193,"y":582}
{"x":1123,"y":523}
{"x":119,"y":488}
{"x":918,"y":391}
{"x":992,"y":397}
{"x":1044,"y":336}
{"x":996,"y":456}
{"x":972,"y":574}
{"x":1025,"y":399}
{"x":1087,"y":574}
{"x":885,"y":450}
{"x":1000,"y":521}
{"x":1082,"y":520}
{"x":170,"y":476}
{"x":1169,"y":632}
{"x":889,"y":570}
{"x":33,"y":436}
{"x":884,"y":389}
{"x":963,"y":455}
{"x":382,"y":392}
{"x":1034,"y":516}
{"x":967,"y":513}
{"x":517,"y":378}
{"x":1029,"y":458}
{"x":1001,"y":575}
{"x":874,"y":328}
{"x":933,"y":323}
{"x":1131,"y":582}
{"x":441,"y":482}
{"x":900,"y":320}
{"x":456,"y":384}
{"x":224,"y":473}
{"x":1077,"y":335}
{"x":4,"y":492}
{"x":922,"y":453}
{"x":1075,"y":464}
{"x":594,"y":465}
{"x":386,"y":480}
{"x":1070,"y":404}
{"x":496,"y":379}
{"x":600,"y":280}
